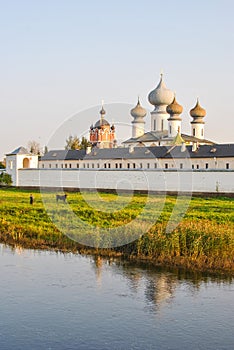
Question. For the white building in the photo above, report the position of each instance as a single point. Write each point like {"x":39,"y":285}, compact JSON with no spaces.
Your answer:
{"x":20,"y":158}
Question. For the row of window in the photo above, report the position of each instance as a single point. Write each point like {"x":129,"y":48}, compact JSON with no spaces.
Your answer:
{"x":129,"y":166}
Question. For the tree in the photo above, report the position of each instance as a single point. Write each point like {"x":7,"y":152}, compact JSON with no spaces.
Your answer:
{"x":5,"y":179}
{"x":34,"y":147}
{"x":72,"y":143}
{"x":2,"y":166}
{"x":46,"y":150}
{"x":84,"y":143}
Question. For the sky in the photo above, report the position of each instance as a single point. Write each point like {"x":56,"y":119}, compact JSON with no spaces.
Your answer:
{"x":59,"y":58}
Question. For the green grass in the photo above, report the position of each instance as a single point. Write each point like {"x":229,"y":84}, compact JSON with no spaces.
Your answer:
{"x":203,"y":239}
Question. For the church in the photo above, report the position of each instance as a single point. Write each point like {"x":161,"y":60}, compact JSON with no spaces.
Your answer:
{"x":166,"y":121}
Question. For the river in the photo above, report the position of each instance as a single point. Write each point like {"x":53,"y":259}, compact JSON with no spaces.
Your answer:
{"x":58,"y":301}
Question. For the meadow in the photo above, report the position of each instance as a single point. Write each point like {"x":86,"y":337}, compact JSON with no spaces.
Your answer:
{"x":143,"y":228}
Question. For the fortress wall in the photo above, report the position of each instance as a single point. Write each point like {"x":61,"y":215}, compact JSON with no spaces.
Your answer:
{"x":154,"y":180}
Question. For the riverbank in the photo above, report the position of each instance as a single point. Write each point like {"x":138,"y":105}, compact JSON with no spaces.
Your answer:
{"x":203,"y":240}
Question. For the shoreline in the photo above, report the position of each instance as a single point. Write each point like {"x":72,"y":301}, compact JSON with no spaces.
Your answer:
{"x":203,"y":241}
{"x":182,"y":263}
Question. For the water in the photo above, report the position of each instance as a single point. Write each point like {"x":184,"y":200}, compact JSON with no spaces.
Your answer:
{"x":57,"y":301}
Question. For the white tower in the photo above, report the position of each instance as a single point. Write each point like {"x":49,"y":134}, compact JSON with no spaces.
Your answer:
{"x":160,"y":97}
{"x":20,"y":158}
{"x":198,"y":113}
{"x":138,"y":124}
{"x":174,"y":122}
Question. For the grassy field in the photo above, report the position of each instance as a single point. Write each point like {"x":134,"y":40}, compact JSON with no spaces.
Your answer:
{"x":203,"y":239}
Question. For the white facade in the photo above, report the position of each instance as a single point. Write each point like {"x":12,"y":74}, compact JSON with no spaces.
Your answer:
{"x":206,"y":181}
{"x":138,"y":129}
{"x":197,"y":130}
{"x":14,"y":162}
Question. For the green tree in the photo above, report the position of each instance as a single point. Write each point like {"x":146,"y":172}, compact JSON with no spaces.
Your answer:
{"x":84,"y":143}
{"x":72,"y":143}
{"x":5,"y":179}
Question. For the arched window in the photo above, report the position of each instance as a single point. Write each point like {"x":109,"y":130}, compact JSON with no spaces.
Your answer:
{"x":25,"y":163}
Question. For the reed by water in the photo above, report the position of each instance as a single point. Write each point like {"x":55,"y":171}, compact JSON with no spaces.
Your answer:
{"x":203,"y":239}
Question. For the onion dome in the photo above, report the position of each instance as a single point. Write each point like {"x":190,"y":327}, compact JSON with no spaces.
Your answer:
{"x":138,"y":111}
{"x":161,"y":95}
{"x":174,"y":108}
{"x":102,"y":111}
{"x":197,"y":111}
{"x":102,"y":122}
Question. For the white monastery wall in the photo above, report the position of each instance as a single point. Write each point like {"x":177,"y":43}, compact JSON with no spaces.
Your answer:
{"x":189,"y":163}
{"x":153,"y":180}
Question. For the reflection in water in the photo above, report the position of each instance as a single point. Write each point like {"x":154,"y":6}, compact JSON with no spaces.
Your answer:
{"x":56,"y":301}
{"x":159,"y":283}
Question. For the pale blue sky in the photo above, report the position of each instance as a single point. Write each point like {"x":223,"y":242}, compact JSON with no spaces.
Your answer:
{"x":60,"y":57}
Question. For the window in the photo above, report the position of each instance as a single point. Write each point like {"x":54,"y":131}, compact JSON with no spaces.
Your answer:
{"x":155,"y":165}
{"x":181,"y":165}
{"x":170,"y":129}
{"x":62,"y":166}
{"x":141,"y":165}
{"x":194,"y":132}
{"x":134,"y":165}
{"x":227,"y":166}
{"x":202,"y":132}
{"x":50,"y":166}
{"x":166,"y":165}
{"x":197,"y":166}
{"x":128,"y":165}
{"x":162,"y":125}
{"x":109,"y":165}
{"x":154,"y":124}
{"x":70,"y":165}
{"x":207,"y":165}
{"x":43,"y":165}
{"x":120,"y":165}
{"x":192,"y":166}
{"x":148,"y":165}
{"x":88,"y":165}
{"x":105,"y":165}
{"x":66,"y":166}
{"x":77,"y":165}
{"x":83,"y":165}
{"x":92,"y":165}
{"x":116,"y":165}
{"x":56,"y":165}
{"x":97,"y":165}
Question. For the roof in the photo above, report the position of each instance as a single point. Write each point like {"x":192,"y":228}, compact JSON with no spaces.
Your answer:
{"x":154,"y":136}
{"x":64,"y":154}
{"x":189,"y":138}
{"x":101,"y":122}
{"x":203,"y":151}
{"x":19,"y":150}
{"x":149,"y":136}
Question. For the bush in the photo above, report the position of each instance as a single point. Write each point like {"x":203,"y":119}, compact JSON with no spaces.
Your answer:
{"x":5,"y":179}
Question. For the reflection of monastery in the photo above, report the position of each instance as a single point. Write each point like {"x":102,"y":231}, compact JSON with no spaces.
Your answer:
{"x":171,"y":159}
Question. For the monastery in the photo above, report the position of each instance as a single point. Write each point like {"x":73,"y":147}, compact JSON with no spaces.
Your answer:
{"x":161,"y":159}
